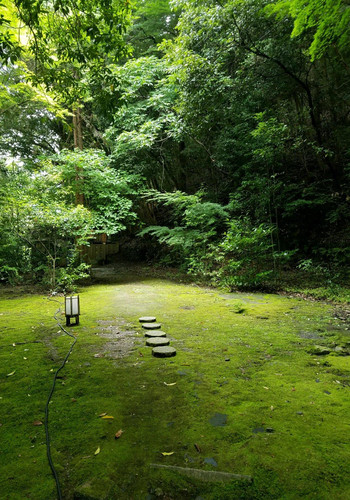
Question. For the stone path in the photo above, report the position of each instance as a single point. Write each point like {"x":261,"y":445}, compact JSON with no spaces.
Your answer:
{"x":156,"y":338}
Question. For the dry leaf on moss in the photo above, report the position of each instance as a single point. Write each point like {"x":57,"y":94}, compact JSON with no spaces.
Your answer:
{"x":118,"y":434}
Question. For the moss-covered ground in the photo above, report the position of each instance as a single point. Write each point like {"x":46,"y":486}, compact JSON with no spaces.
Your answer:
{"x":244,"y":395}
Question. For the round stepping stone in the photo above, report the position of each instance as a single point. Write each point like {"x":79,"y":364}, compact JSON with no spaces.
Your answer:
{"x":151,"y":326}
{"x":157,"y":341}
{"x":164,"y":352}
{"x":155,"y":333}
{"x":147,"y":319}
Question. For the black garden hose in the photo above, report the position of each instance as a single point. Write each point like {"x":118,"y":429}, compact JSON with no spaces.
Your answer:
{"x":46,"y":423}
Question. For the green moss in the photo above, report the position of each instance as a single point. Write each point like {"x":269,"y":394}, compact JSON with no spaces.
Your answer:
{"x":287,"y":410}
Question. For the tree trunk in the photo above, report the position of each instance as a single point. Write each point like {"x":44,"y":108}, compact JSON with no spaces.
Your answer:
{"x":78,"y":144}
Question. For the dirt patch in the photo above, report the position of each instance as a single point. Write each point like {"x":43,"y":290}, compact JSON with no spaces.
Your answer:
{"x":121,"y":339}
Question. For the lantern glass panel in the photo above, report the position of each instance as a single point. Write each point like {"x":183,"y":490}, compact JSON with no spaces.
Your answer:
{"x":68,"y":306}
{"x":75,"y":306}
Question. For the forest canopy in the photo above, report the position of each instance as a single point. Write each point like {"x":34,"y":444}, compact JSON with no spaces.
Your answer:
{"x":210,"y":136}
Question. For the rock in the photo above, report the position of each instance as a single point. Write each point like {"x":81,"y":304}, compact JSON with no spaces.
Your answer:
{"x":157,"y":341}
{"x":341,"y":351}
{"x":320,"y":350}
{"x":147,"y":319}
{"x":218,"y":420}
{"x":210,"y":461}
{"x":151,"y":326}
{"x":163,"y":352}
{"x":158,"y":333}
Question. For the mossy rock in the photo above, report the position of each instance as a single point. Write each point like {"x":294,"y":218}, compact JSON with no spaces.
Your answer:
{"x":157,"y":333}
{"x":151,"y":326}
{"x":320,"y":350}
{"x":163,"y":352}
{"x":157,"y":341}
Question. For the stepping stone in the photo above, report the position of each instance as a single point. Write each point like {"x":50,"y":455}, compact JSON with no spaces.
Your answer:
{"x":147,"y":319}
{"x":163,"y":352}
{"x":157,"y":341}
{"x":151,"y":326}
{"x":155,"y":333}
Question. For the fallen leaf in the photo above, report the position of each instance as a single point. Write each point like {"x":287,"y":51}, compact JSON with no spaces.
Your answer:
{"x":102,"y":414}
{"x":73,"y":400}
{"x":107,"y":416}
{"x":10,"y":374}
{"x":166,"y":454}
{"x":272,"y":408}
{"x":51,"y":370}
{"x":37,"y":422}
{"x":174,"y":383}
{"x":293,"y":388}
{"x":98,"y":355}
{"x":97,"y":451}
{"x":14,"y":345}
{"x":140,"y":354}
{"x":118,"y":434}
{"x":267,"y":388}
{"x":197,"y":448}
{"x":337,"y":381}
{"x":24,"y":357}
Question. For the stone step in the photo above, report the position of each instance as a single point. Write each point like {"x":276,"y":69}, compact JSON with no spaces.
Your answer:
{"x":163,"y":352}
{"x":147,"y":319}
{"x":155,"y":333}
{"x":151,"y":326}
{"x":157,"y":341}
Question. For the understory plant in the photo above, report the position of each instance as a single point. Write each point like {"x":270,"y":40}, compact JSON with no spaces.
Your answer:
{"x":206,"y":241}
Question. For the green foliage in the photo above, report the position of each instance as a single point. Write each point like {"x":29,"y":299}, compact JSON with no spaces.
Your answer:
{"x":153,"y":22}
{"x":247,"y":255}
{"x":28,"y":115}
{"x":146,"y":133}
{"x":108,"y":193}
{"x":43,"y":228}
{"x":328,"y":20}
{"x":68,"y":277}
{"x":207,"y":242}
{"x":197,"y":225}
